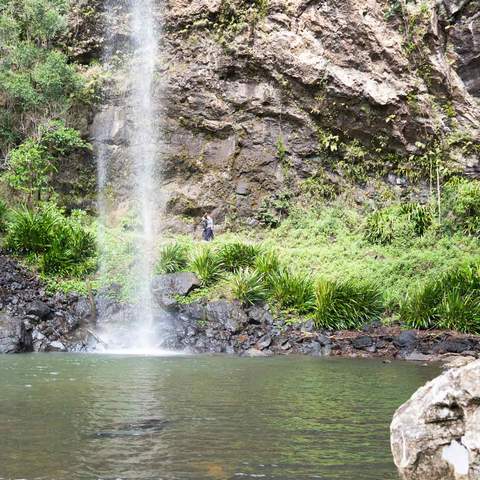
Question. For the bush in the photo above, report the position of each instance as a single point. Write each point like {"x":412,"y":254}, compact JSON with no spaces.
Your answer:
{"x":248,"y":286}
{"x":451,"y":301}
{"x":173,"y":258}
{"x":461,"y":207}
{"x":292,"y":291}
{"x":398,"y":222}
{"x":3,"y":215}
{"x":237,"y":255}
{"x":267,"y":263}
{"x":207,"y":266}
{"x":62,"y":243}
{"x":346,"y":305}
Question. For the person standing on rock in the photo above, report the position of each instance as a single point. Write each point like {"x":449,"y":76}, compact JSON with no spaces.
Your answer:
{"x":207,"y":226}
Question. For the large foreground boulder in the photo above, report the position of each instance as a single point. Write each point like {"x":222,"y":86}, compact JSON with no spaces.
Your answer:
{"x":15,"y":335}
{"x":436,"y":434}
{"x":167,"y":287}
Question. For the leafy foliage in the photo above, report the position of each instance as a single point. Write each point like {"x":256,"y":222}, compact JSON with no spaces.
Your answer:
{"x":274,"y":209}
{"x":291,"y":290}
{"x":62,"y":243}
{"x":398,"y":222}
{"x":207,"y":266}
{"x":31,"y":165}
{"x":173,"y":258}
{"x":248,"y":286}
{"x":461,"y":199}
{"x":451,"y":301}
{"x":346,"y":305}
{"x":237,"y":255}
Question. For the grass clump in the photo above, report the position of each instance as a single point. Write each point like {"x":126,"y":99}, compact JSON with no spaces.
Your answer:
{"x":237,"y":255}
{"x":397,"y":223}
{"x":451,"y":301}
{"x":461,"y":199}
{"x":61,"y":244}
{"x":173,"y":258}
{"x":208,"y":267}
{"x":248,"y":286}
{"x":292,"y":291}
{"x":346,"y":305}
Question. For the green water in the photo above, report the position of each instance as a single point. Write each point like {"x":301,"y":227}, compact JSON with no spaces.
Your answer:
{"x":79,"y":417}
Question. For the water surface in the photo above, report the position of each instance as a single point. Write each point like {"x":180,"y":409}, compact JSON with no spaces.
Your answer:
{"x":86,"y":417}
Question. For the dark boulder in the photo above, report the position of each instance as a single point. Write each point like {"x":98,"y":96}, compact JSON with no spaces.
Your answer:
{"x":228,"y":315}
{"x":166,"y":287}
{"x":15,"y":335}
{"x":452,"y":346}
{"x":362,"y":342}
{"x":39,"y":309}
{"x":407,"y":340}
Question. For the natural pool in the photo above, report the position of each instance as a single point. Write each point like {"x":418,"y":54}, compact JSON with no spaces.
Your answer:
{"x":72,"y":417}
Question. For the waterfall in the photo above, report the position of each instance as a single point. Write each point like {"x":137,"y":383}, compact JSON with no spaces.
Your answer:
{"x":132,"y":116}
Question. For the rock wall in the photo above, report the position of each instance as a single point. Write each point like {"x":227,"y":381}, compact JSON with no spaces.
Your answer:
{"x":436,"y":434}
{"x":254,"y":96}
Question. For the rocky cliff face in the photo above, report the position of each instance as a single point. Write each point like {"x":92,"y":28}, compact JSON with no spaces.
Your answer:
{"x":254,"y":96}
{"x":436,"y":433}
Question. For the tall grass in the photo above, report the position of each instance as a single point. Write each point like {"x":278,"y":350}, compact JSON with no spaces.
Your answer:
{"x":346,"y":305}
{"x":450,"y":301}
{"x":62,"y":244}
{"x":207,"y":265}
{"x":173,"y":258}
{"x":237,"y":255}
{"x":292,"y":291}
{"x":248,"y":286}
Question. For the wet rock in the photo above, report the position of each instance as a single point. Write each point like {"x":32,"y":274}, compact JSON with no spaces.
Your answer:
{"x":436,"y":434}
{"x":255,"y":352}
{"x":407,"y":340}
{"x":166,"y":287}
{"x":39,"y":309}
{"x":229,"y":315}
{"x":264,"y":342}
{"x":362,"y":342}
{"x":56,"y":346}
{"x":452,"y":346}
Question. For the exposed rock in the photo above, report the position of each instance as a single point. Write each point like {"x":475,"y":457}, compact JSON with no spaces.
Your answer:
{"x":166,"y":287}
{"x":362,"y":342}
{"x":39,"y":309}
{"x":238,"y":92}
{"x":436,"y":434}
{"x":407,"y":340}
{"x":230,"y":315}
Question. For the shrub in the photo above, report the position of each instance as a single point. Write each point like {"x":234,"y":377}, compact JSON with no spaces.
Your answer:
{"x":292,"y":291}
{"x":207,"y":266}
{"x":62,"y":243}
{"x":398,"y":222}
{"x":3,"y":215}
{"x":451,"y":301}
{"x":461,"y":199}
{"x":173,"y":258}
{"x":237,"y":255}
{"x":248,"y":286}
{"x":267,"y":263}
{"x":346,"y":305}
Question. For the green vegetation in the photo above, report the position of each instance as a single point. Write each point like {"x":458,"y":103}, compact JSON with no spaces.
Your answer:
{"x":248,"y":285}
{"x":346,"y":305}
{"x":451,"y":301}
{"x":173,"y":258}
{"x":58,"y":243}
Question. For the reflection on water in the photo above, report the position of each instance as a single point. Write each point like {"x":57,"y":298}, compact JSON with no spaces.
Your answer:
{"x":73,"y":417}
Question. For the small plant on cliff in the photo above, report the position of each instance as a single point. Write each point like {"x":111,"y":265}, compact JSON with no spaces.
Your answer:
{"x":173,"y":258}
{"x":248,"y":286}
{"x":237,"y":255}
{"x":346,"y":305}
{"x":292,"y":291}
{"x":208,"y":267}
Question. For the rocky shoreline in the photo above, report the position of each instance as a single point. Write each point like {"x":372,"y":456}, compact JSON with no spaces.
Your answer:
{"x":31,"y":320}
